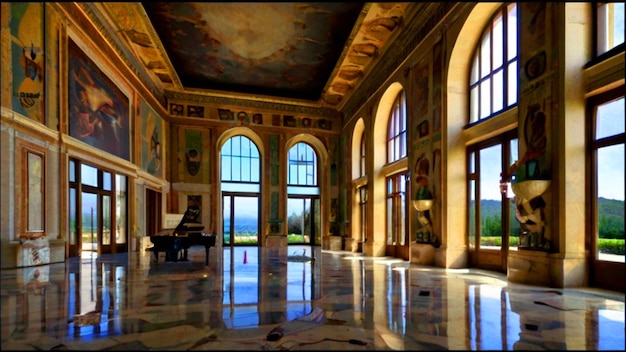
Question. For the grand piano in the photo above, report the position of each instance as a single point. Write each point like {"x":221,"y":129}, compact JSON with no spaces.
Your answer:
{"x":175,"y":242}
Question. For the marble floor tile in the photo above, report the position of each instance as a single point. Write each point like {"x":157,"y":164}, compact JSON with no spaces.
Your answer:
{"x":295,"y":298}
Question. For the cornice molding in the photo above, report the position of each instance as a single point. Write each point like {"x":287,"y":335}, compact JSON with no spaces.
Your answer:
{"x":410,"y":38}
{"x":259,"y":105}
{"x":111,"y":42}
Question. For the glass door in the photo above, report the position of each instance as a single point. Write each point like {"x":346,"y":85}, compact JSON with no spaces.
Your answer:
{"x":88,"y":225}
{"x":491,"y":216}
{"x":607,"y":173}
{"x":398,"y":244}
{"x":241,"y":219}
{"x":303,"y":220}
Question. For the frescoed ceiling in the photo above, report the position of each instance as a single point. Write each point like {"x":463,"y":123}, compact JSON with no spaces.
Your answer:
{"x":313,"y":54}
{"x":276,"y":49}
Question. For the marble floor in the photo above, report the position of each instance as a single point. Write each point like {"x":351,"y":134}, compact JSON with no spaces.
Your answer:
{"x":297,"y":298}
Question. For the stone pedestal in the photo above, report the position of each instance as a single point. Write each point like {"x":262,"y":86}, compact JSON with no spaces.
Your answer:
{"x":33,"y":252}
{"x":276,"y":241}
{"x":276,"y":248}
{"x":422,"y":253}
{"x":335,"y":243}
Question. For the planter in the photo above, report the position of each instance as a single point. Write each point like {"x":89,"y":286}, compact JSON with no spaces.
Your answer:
{"x":423,"y":204}
{"x":530,"y":189}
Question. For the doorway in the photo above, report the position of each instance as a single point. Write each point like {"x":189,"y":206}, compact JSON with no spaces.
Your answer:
{"x":97,"y":210}
{"x":398,"y":243}
{"x":303,"y":220}
{"x":493,"y":228}
{"x":241,"y":219}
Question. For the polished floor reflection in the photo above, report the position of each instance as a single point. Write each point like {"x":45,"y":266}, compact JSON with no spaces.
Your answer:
{"x":299,"y":298}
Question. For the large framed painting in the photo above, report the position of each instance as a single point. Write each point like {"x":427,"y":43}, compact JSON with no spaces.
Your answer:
{"x":98,"y":109}
{"x":152,"y":141}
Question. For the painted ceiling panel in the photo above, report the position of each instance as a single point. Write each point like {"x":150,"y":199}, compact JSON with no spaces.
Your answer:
{"x":270,"y":49}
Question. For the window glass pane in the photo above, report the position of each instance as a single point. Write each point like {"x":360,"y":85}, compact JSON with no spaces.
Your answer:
{"x":485,"y":55}
{"x":236,"y":168}
{"x":498,"y":41}
{"x":485,"y":98}
{"x":474,"y":71}
{"x":512,"y":84}
{"x":403,"y":144}
{"x":245,"y":146}
{"x":610,"y":221}
{"x":255,"y":170}
{"x":72,"y":214}
{"x":89,"y":175}
{"x":245,"y":169}
{"x":303,"y":190}
{"x":236,"y":146}
{"x":106,"y":220}
{"x":226,"y":148}
{"x":514,"y":151}
{"x":472,"y":214}
{"x":610,"y":22}
{"x":240,"y":187}
{"x":225,"y":168}
{"x":491,"y":221}
{"x":610,"y":119}
{"x":106,"y":180}
{"x":72,"y":171}
{"x":512,"y":32}
{"x":120,"y":209}
{"x":498,"y":86}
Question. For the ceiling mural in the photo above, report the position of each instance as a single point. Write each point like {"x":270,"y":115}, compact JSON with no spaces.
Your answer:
{"x":276,"y":49}
{"x":309,"y":55}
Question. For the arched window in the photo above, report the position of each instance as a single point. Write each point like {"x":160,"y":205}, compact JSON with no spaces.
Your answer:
{"x":241,"y":187}
{"x":493,"y":77}
{"x":362,"y":156}
{"x":240,"y":161}
{"x":493,"y":82}
{"x":396,"y":130}
{"x":303,"y":199}
{"x":396,"y":183}
{"x":302,"y":165}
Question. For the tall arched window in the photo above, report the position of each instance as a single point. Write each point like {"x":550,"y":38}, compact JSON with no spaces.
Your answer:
{"x":303,"y":201}
{"x":362,"y":193}
{"x":493,"y":82}
{"x":396,"y":130}
{"x":493,"y":77}
{"x":302,"y":165}
{"x":240,"y":183}
{"x":362,"y":156}
{"x":396,"y":183}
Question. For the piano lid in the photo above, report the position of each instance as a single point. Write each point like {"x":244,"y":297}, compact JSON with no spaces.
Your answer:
{"x":171,"y":220}
{"x":182,"y":222}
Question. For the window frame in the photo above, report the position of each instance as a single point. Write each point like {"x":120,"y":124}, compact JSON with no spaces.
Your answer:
{"x":309,"y":180}
{"x":594,"y":145}
{"x":397,"y":130}
{"x":474,"y":84}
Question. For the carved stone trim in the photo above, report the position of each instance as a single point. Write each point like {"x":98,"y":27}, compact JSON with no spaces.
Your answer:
{"x":258,"y":105}
{"x":428,"y":18}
